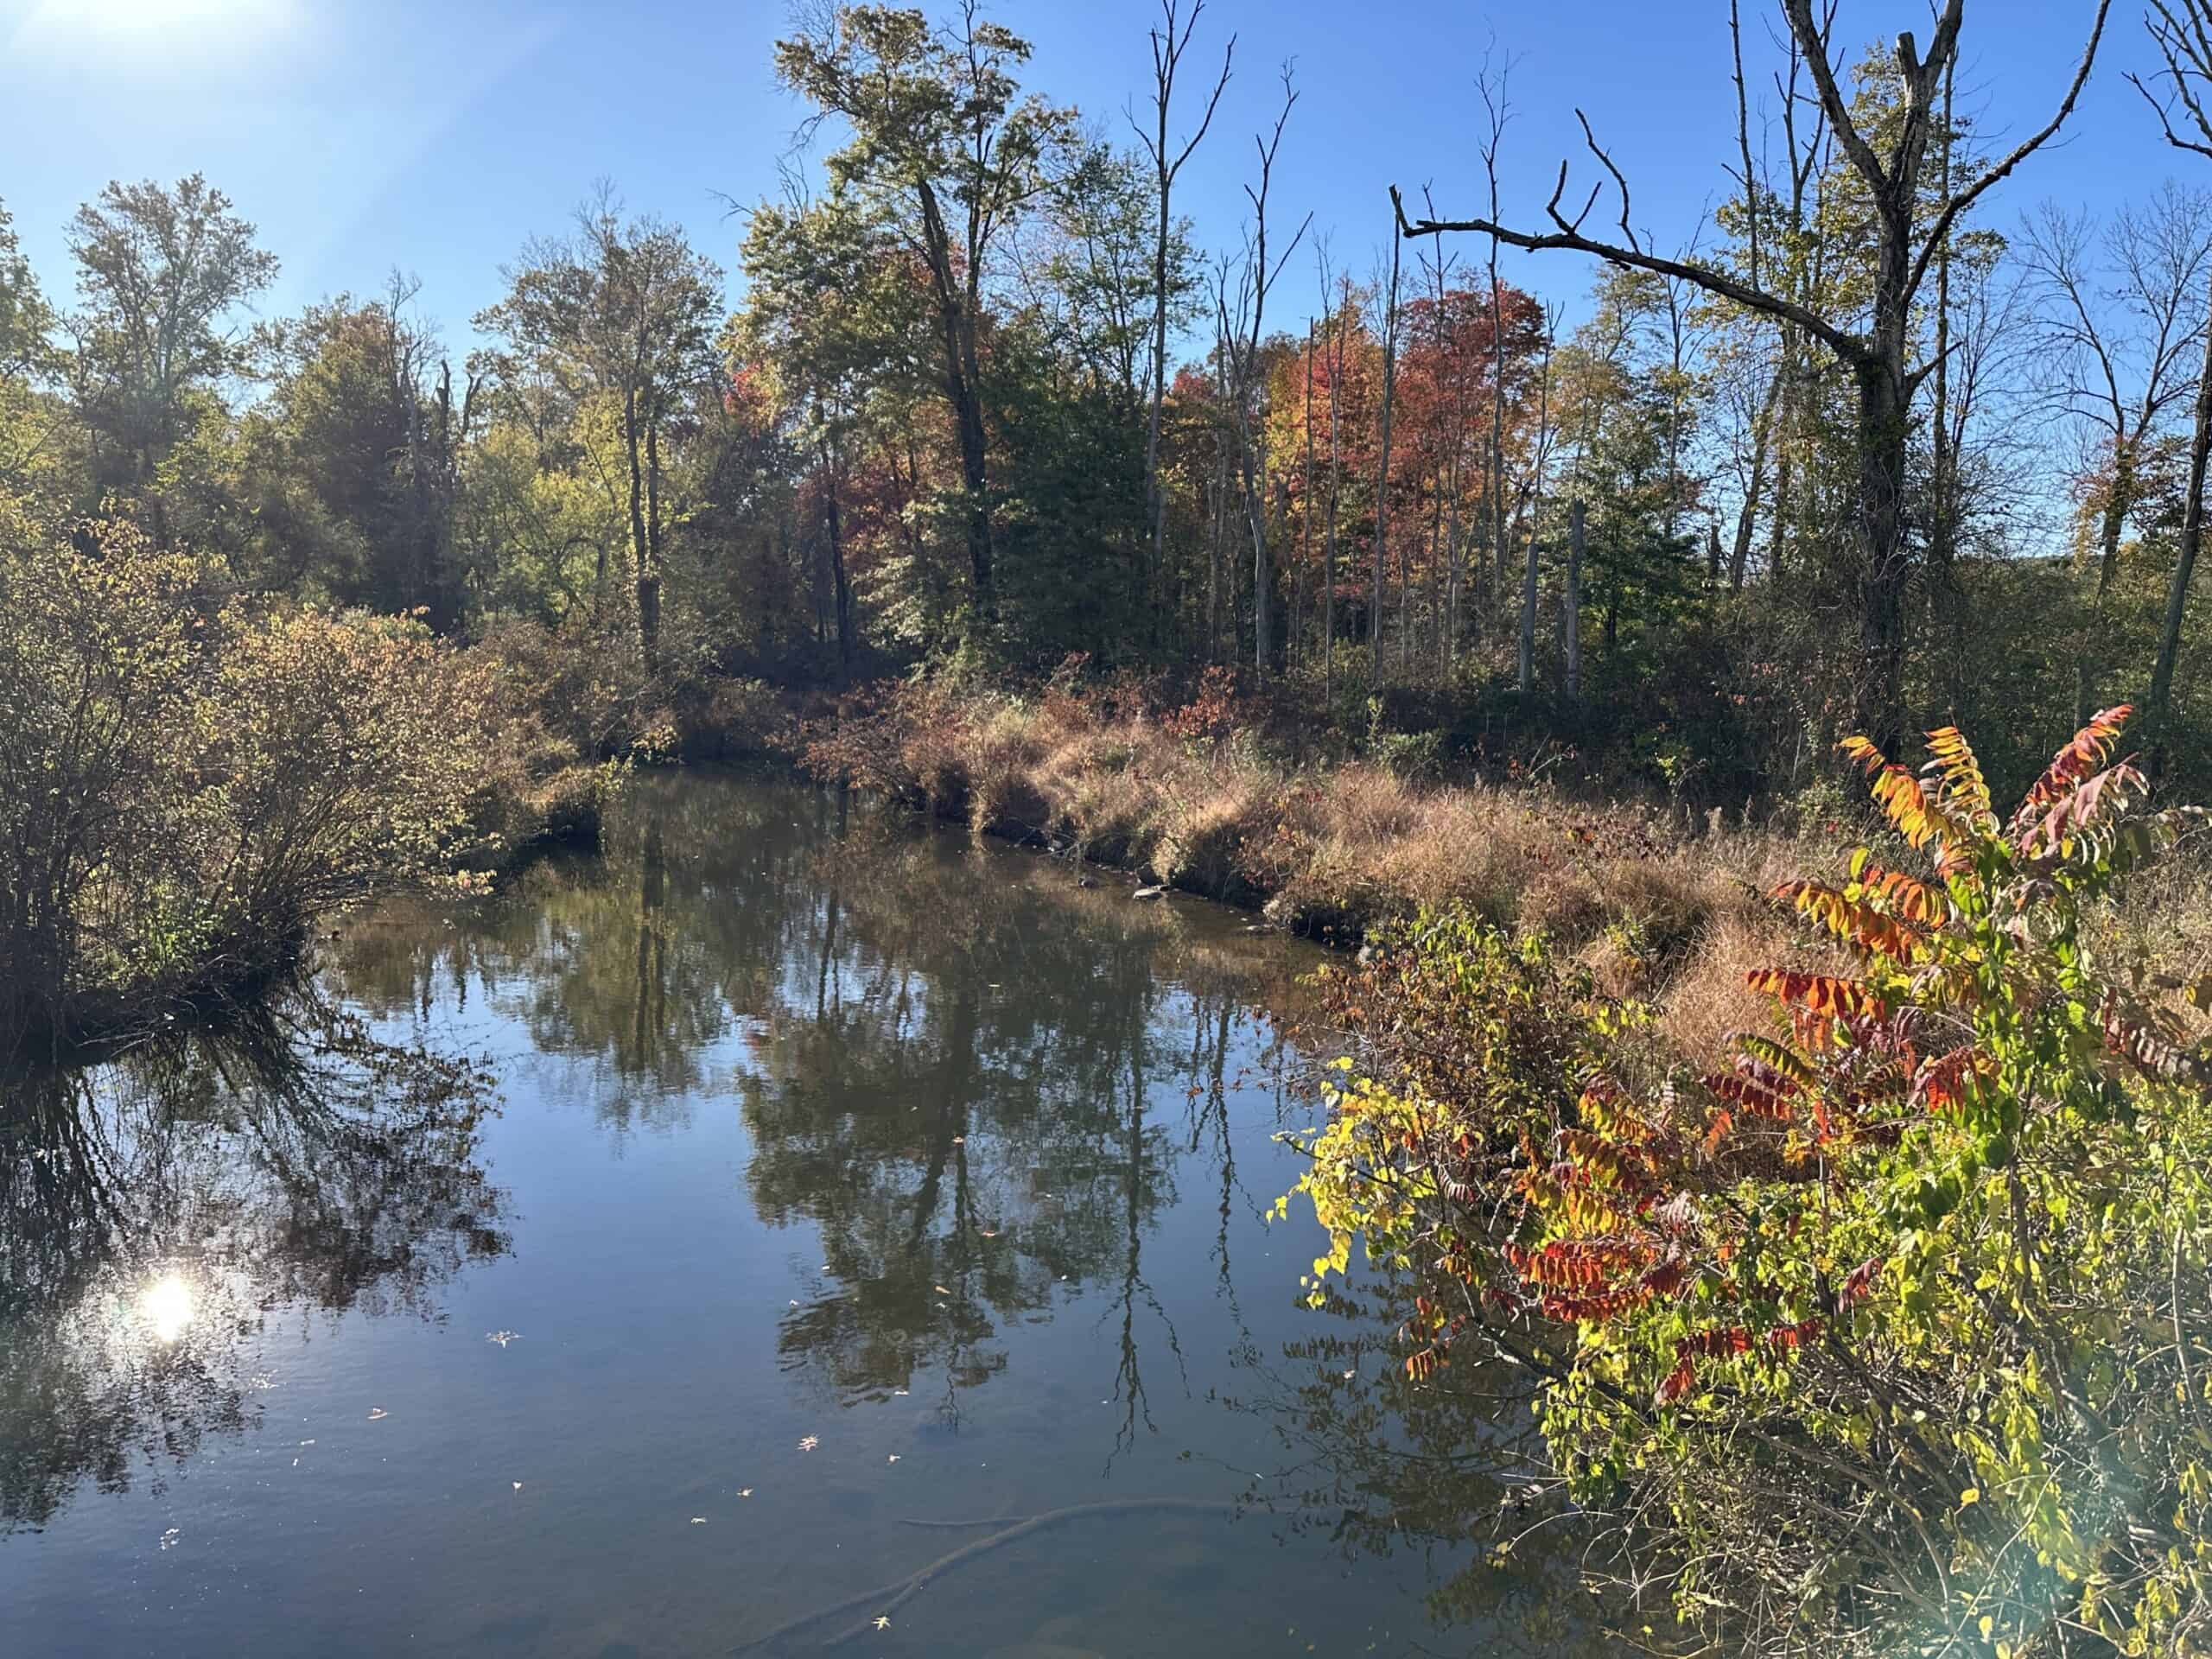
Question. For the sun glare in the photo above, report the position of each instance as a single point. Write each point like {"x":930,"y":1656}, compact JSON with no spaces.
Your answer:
{"x":167,"y":1305}
{"x":142,"y":18}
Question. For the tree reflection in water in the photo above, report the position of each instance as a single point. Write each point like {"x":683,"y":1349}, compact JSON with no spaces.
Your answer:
{"x":953,"y":1064}
{"x":159,"y":1207}
{"x":961,"y":1108}
{"x":1450,"y":1469}
{"x":982,"y":1086}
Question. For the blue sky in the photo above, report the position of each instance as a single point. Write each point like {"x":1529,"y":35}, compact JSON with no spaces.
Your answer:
{"x":359,"y":135}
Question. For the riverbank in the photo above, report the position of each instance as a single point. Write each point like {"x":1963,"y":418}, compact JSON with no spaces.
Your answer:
{"x":1189,"y":800}
{"x":1669,"y":910}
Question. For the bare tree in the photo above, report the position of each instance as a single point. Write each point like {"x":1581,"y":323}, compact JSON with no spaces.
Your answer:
{"x":1492,"y":85}
{"x":1572,"y":617}
{"x":1878,"y":353}
{"x":2182,"y":30}
{"x":1382,"y":476}
{"x":1306,"y":497}
{"x":1329,"y":536}
{"x":1241,"y":337}
{"x":2117,"y":341}
{"x":1168,"y":44}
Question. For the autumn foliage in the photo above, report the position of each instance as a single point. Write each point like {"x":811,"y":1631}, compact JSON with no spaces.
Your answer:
{"x":1894,"y":1325}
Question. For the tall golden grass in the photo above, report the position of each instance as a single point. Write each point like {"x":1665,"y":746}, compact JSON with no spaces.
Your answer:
{"x":1672,"y":912}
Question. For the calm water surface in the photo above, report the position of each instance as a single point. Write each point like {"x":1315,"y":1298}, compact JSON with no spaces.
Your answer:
{"x":825,"y":1178}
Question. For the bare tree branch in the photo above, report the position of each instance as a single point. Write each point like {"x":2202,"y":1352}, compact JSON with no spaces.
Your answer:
{"x":1843,"y":343}
{"x":1869,"y":165}
{"x":1751,"y":182}
{"x":1958,"y":203}
{"x":1591,"y":138}
{"x":2187,"y":52}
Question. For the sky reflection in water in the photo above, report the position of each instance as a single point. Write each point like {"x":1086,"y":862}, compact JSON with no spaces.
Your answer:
{"x":839,"y":1179}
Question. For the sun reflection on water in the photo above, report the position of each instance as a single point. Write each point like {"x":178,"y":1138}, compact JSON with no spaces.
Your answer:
{"x":167,"y":1305}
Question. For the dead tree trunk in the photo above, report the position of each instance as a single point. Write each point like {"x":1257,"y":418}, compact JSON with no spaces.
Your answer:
{"x":1879,"y":557}
{"x":1383,"y":468}
{"x":2192,"y":536}
{"x":1572,"y":620}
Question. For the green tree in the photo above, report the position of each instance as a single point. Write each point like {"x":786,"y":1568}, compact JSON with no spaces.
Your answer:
{"x":27,"y":357}
{"x":626,"y":310}
{"x":835,"y":312}
{"x":26,"y":320}
{"x":361,"y":417}
{"x":944,"y":139}
{"x":160,"y":272}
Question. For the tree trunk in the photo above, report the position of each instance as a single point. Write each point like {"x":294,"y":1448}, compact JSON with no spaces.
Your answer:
{"x":1739,"y":555}
{"x":969,"y":415}
{"x":1306,"y":487}
{"x":955,"y":328}
{"x":649,"y":585}
{"x":1256,"y":514}
{"x":2192,"y":535}
{"x":1155,"y":498}
{"x":1785,"y":455}
{"x":840,"y":583}
{"x":2114,"y":523}
{"x":1383,"y":475}
{"x":1216,"y":533}
{"x":647,"y":578}
{"x":1880,"y":555}
{"x":1528,"y":679}
{"x":1573,"y":619}
{"x":1336,"y":461}
{"x":1453,"y":553}
{"x":1496,"y":426}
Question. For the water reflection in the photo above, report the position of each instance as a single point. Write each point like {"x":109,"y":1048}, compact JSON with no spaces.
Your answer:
{"x":950,"y":1064}
{"x":158,"y":1210}
{"x":1448,"y":1471}
{"x":825,"y":1133}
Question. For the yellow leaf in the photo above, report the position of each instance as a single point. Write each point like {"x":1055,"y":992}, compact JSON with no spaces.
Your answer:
{"x":1971,"y":1495}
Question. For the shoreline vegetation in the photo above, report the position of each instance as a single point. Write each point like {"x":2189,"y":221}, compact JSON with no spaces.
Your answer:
{"x":1221,"y":798}
{"x":1893,"y":1319}
{"x":194,"y":780}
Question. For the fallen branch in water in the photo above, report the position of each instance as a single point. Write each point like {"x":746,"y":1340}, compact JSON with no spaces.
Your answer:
{"x":891,"y":1596}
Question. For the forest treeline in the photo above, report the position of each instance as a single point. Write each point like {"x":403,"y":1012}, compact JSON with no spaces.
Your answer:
{"x":1871,"y":446}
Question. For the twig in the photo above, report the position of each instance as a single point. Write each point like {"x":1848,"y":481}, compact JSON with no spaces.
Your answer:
{"x":891,"y":1596}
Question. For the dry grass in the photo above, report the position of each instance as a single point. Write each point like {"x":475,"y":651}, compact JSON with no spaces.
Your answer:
{"x":1653,"y":910}
{"x":1708,"y":1004}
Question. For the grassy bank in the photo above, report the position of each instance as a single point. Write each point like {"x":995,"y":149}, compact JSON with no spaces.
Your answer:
{"x":1656,"y":906}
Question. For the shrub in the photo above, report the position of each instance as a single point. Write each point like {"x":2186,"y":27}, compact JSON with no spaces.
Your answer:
{"x":742,"y":718}
{"x":585,"y":683}
{"x":185,"y":784}
{"x":1895,"y":1335}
